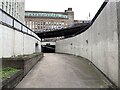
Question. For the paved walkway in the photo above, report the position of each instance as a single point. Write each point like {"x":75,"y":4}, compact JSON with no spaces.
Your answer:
{"x":62,"y":71}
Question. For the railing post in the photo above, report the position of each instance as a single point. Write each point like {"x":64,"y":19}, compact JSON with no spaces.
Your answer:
{"x":13,"y":23}
{"x":21,"y":27}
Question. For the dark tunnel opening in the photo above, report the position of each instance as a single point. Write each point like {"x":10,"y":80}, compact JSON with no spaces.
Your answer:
{"x":48,"y":48}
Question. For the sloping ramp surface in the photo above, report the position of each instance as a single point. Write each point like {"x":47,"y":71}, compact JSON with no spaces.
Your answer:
{"x":63,"y":71}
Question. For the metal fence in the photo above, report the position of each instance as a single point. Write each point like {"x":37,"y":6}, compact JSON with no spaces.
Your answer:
{"x":10,"y":21}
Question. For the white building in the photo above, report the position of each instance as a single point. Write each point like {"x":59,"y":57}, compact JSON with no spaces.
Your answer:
{"x":15,"y":8}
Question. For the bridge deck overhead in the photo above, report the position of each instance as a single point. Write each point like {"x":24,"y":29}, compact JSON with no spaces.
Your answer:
{"x":62,"y":32}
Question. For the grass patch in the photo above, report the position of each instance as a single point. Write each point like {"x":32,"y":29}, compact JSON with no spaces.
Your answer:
{"x":7,"y":72}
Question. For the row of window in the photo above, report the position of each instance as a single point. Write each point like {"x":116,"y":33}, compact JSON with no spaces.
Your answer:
{"x":46,"y":25}
{"x":46,"y":15}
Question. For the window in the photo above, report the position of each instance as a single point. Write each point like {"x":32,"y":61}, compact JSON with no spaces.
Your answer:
{"x":54,"y":23}
{"x":26,"y":23}
{"x":46,"y":23}
{"x":38,"y":25}
{"x":43,"y":23}
{"x":33,"y":25}
{"x":49,"y":23}
{"x":2,"y":5}
{"x":10,"y":8}
{"x":12,"y":11}
{"x":30,"y":24}
{"x":62,"y":23}
{"x":6,"y":7}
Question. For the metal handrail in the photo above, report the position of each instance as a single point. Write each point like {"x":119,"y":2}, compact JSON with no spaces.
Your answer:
{"x":13,"y":23}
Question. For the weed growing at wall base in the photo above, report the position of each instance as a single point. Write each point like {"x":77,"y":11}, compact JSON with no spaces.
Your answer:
{"x":6,"y":72}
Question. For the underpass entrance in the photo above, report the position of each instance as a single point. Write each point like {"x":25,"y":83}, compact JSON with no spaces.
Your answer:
{"x":48,"y":47}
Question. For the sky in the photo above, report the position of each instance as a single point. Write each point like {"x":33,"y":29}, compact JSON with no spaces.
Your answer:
{"x":81,"y":8}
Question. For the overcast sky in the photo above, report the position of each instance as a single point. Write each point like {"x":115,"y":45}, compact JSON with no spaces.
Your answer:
{"x":81,"y":8}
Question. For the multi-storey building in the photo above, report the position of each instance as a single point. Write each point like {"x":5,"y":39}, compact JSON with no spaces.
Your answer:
{"x":15,"y":8}
{"x":47,"y":21}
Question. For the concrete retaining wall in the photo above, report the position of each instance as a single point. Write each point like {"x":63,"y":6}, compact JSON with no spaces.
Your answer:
{"x":16,"y":43}
{"x":25,"y":62}
{"x":0,"y":55}
{"x":99,"y":43}
{"x":0,"y":42}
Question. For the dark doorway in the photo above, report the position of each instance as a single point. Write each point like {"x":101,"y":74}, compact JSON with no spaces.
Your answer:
{"x":48,"y":48}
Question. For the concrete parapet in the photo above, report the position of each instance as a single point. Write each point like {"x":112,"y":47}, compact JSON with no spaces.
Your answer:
{"x":12,"y":81}
{"x":17,"y":43}
{"x":25,"y":62}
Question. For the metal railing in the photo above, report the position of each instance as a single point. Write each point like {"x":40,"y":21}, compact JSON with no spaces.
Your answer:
{"x":8,"y":20}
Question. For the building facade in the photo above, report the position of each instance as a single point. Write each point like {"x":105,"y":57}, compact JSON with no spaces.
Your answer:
{"x":47,"y":21}
{"x":81,"y":22}
{"x":14,"y":8}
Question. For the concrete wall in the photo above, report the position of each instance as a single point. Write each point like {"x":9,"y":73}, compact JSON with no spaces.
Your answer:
{"x":0,"y":55}
{"x":99,"y":43}
{"x":0,"y":42}
{"x":118,"y":9}
{"x":16,"y":43}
